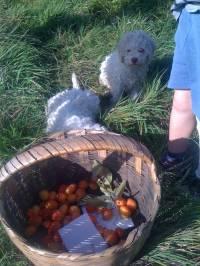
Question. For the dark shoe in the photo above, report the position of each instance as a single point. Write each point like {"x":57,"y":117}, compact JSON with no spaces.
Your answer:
{"x":169,"y":160}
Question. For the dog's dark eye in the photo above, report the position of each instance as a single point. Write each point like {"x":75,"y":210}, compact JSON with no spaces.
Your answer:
{"x":141,"y":50}
{"x":128,"y":50}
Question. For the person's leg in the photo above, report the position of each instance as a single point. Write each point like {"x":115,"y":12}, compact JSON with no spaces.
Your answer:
{"x":182,"y":122}
{"x":198,"y":169}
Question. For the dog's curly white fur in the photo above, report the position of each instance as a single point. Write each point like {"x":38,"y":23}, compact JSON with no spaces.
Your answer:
{"x":73,"y":109}
{"x":125,"y":69}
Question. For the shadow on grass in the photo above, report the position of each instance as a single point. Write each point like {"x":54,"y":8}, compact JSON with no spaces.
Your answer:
{"x":97,"y":11}
{"x":108,"y":9}
{"x":161,"y":66}
{"x":61,"y":22}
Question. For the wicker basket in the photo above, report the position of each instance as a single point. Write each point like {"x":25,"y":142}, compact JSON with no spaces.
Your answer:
{"x":48,"y":164}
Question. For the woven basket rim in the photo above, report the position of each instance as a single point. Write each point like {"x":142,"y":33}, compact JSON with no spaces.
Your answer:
{"x":7,"y":170}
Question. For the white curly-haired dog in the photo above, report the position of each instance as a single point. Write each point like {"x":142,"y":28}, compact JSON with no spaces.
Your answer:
{"x":74,"y":108}
{"x":125,"y":69}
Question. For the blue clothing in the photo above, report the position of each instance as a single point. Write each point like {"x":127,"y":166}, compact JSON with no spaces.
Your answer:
{"x":189,"y":5}
{"x":185,"y":73}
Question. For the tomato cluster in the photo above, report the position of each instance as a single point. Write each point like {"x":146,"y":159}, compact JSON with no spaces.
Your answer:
{"x":112,"y":237}
{"x":60,"y":207}
{"x":126,"y":207}
{"x":56,"y":209}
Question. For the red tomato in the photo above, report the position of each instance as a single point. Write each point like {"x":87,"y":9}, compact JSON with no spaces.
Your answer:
{"x":57,"y":215}
{"x":61,"y":197}
{"x":30,"y":230}
{"x":83,"y":184}
{"x":120,"y":232}
{"x":67,"y":219}
{"x":120,"y":202}
{"x":100,"y":229}
{"x":71,"y":198}
{"x":51,"y":205}
{"x":52,"y":195}
{"x":74,"y":209}
{"x":90,"y":208}
{"x":46,"y":213}
{"x":64,"y":208}
{"x":80,"y":193}
{"x":30,"y":213}
{"x":57,"y":238}
{"x":101,"y":209}
{"x":93,"y":185}
{"x":112,"y":238}
{"x":44,"y":195}
{"x":107,"y":232}
{"x":42,"y":204}
{"x":36,"y":209}
{"x":71,"y":189}
{"x":62,"y":188}
{"x":54,"y":227}
{"x":35,"y":220}
{"x":46,"y":224}
{"x":132,"y":204}
{"x":75,"y":215}
{"x":125,"y":211}
{"x":93,"y":218}
{"x":107,"y":214}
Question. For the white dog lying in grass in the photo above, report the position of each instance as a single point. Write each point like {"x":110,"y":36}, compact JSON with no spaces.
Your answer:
{"x":74,"y":108}
{"x":125,"y":69}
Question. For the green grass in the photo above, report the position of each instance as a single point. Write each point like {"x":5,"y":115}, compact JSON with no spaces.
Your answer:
{"x":41,"y":43}
{"x":175,"y":238}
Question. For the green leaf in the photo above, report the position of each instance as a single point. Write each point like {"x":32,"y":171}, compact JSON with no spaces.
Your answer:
{"x":100,"y":201}
{"x":118,"y":192}
{"x":105,"y":188}
{"x":98,"y":170}
{"x":105,"y":178}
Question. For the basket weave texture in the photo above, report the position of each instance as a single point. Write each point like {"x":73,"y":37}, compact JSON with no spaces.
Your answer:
{"x":70,"y":155}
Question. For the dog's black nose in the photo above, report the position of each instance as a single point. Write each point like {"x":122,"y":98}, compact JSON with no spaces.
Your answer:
{"x":134,"y":60}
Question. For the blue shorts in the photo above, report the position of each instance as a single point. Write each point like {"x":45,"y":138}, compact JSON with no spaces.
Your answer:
{"x":185,"y":73}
